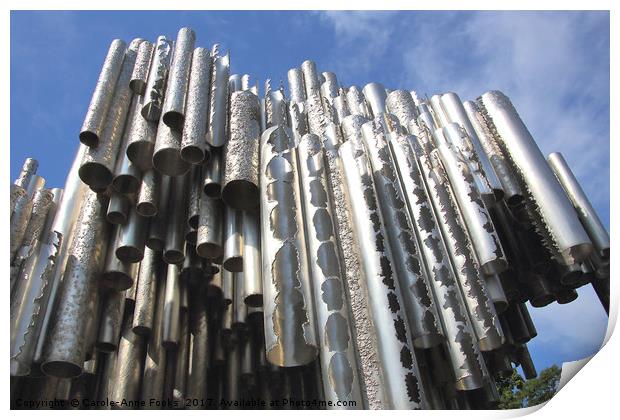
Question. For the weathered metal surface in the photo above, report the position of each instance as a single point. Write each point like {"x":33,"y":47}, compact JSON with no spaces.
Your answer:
{"x":218,"y":105}
{"x":173,"y":110}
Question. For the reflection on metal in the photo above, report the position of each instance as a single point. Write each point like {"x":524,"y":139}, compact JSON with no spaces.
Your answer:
{"x":366,"y":245}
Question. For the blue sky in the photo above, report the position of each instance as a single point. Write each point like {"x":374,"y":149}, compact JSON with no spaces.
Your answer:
{"x":553,"y":65}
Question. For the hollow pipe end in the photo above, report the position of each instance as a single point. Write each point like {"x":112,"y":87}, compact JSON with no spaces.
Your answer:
{"x":117,"y":280}
{"x":193,"y":154}
{"x":233,"y":264}
{"x":210,"y":251}
{"x":140,"y":153}
{"x":494,"y":267}
{"x":126,"y":184}
{"x":254,"y":301}
{"x":61,"y":369}
{"x":156,"y":244}
{"x":146,"y":209}
{"x":151,"y":112}
{"x":116,"y":217}
{"x":213,"y":190}
{"x":173,"y":256}
{"x":95,"y":175}
{"x":469,"y":383}
{"x":89,"y":138}
{"x":174,"y":120}
{"x":191,"y":237}
{"x":106,"y":347}
{"x":141,"y":330}
{"x":137,"y":86}
{"x":241,"y":195}
{"x":168,"y":161}
{"x":301,"y":354}
{"x":129,"y":254}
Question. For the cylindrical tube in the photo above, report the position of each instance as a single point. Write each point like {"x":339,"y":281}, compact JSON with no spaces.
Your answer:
{"x":141,"y":140}
{"x":289,"y":319}
{"x":200,"y":354}
{"x":101,"y":101}
{"x":218,"y":105}
{"x":211,"y":171}
{"x":175,"y":236}
{"x":65,"y":353}
{"x":253,"y":287}
{"x":99,"y":161}
{"x":126,"y":174}
{"x":400,"y":375}
{"x":195,"y":192}
{"x":19,"y":223}
{"x":233,"y":240}
{"x":28,"y":302}
{"x":148,"y":196}
{"x":209,"y":240}
{"x":588,"y":216}
{"x":240,"y":186}
{"x":172,"y":308}
{"x":174,"y":103}
{"x":156,"y":84}
{"x":133,"y":237}
{"x":116,"y":273}
{"x":296,"y":85}
{"x":555,"y":217}
{"x":338,"y":360}
{"x":183,"y":358}
{"x":194,"y":148}
{"x":167,"y":151}
{"x":477,"y":220}
{"x":400,"y":103}
{"x":118,"y":209}
{"x":27,"y":173}
{"x":158,"y":227}
{"x":454,"y":109}
{"x":141,"y":69}
{"x":375,"y":97}
{"x":146,"y":293}
{"x":311,"y":78}
{"x":111,"y":321}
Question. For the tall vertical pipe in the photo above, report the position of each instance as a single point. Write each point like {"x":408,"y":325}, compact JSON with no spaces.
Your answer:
{"x":155,"y":90}
{"x":173,"y":110}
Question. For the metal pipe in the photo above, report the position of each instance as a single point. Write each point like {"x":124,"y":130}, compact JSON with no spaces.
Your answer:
{"x":253,"y":286}
{"x":127,"y":176}
{"x":311,"y":78}
{"x":338,"y":361}
{"x":19,"y":223}
{"x":209,"y":240}
{"x":197,"y":374}
{"x":17,"y":194}
{"x":194,"y":148}
{"x":555,"y":218}
{"x":140,"y":72}
{"x":173,"y":110}
{"x":183,"y":358}
{"x":33,"y":227}
{"x":356,"y":102}
{"x":158,"y":227}
{"x":148,"y":196}
{"x":195,"y":192}
{"x":510,"y":185}
{"x":65,"y":352}
{"x":419,"y":304}
{"x":111,"y":321}
{"x":27,"y":173}
{"x":211,"y":170}
{"x":175,"y":235}
{"x":118,"y":209}
{"x":590,"y":220}
{"x":141,"y":139}
{"x":375,"y":97}
{"x":401,"y":104}
{"x":146,"y":293}
{"x":158,"y":76}
{"x":99,"y":160}
{"x":289,"y":318}
{"x":240,"y":187}
{"x":478,"y":223}
{"x":233,"y":240}
{"x":218,"y":105}
{"x":101,"y":101}
{"x":132,"y":239}
{"x":275,"y":106}
{"x":296,"y":85}
{"x":399,"y":374}
{"x":172,"y":308}
{"x":455,"y":111}
{"x":116,"y":274}
{"x":167,"y":151}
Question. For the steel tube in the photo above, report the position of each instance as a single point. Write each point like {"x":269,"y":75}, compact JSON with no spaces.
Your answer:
{"x":195,"y":192}
{"x":454,"y":109}
{"x":127,"y":175}
{"x":111,"y":321}
{"x":167,"y":151}
{"x":289,"y":319}
{"x":296,"y":85}
{"x":183,"y":358}
{"x":555,"y":217}
{"x":198,"y":367}
{"x":65,"y":353}
{"x":401,"y":104}
{"x":118,"y":209}
{"x":173,"y":110}
{"x":146,"y":293}
{"x":175,"y":235}
{"x":19,"y":223}
{"x":311,"y":78}
{"x":140,"y":72}
{"x":375,"y":97}
{"x":27,"y":173}
{"x":588,"y":216}
{"x":233,"y":240}
{"x":400,"y":375}
{"x":218,"y":104}
{"x":101,"y":101}
{"x":141,"y":139}
{"x":148,"y":196}
{"x":253,"y":286}
{"x":99,"y":161}
{"x":211,"y":170}
{"x":172,"y":308}
{"x":240,"y":187}
{"x":209,"y":242}
{"x":159,"y":223}
{"x":338,"y":359}
{"x":132,"y":239}
{"x":420,"y":307}
{"x":194,"y":148}
{"x":155,"y":90}
{"x":116,"y":273}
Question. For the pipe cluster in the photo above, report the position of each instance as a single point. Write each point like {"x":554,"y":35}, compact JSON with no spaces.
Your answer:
{"x":339,"y":248}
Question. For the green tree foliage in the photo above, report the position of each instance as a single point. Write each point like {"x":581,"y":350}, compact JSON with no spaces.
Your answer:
{"x":515,"y":392}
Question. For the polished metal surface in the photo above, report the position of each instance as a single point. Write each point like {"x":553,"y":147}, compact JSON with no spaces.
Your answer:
{"x":173,"y":110}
